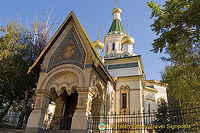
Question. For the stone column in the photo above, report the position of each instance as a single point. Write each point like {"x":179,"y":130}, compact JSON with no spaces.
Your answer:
{"x":79,"y":120}
{"x":36,"y":119}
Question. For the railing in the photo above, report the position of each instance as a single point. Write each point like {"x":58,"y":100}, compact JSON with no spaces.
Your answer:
{"x":122,"y":121}
{"x":171,"y":121}
{"x":59,"y":123}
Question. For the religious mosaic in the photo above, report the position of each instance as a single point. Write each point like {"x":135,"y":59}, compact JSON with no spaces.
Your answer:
{"x":70,"y":51}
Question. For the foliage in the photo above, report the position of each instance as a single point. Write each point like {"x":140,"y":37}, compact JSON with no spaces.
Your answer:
{"x":177,"y":25}
{"x":12,"y":40}
{"x":183,"y":84}
{"x":19,"y":49}
{"x":162,"y":117}
{"x":12,"y":65}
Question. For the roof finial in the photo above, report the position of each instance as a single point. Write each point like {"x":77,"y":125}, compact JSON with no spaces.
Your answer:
{"x":117,"y":3}
{"x":99,"y":33}
{"x":127,"y":28}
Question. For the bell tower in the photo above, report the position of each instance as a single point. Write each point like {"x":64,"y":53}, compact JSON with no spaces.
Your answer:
{"x":114,"y":35}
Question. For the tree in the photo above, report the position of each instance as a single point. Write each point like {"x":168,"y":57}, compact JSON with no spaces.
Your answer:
{"x":12,"y":65}
{"x":166,"y":116}
{"x":19,"y":48}
{"x":177,"y":25}
{"x":162,"y":117}
{"x":41,"y":33}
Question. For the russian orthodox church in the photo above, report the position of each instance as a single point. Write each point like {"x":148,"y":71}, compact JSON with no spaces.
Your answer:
{"x":76,"y":81}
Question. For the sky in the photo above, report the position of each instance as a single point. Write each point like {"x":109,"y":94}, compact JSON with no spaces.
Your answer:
{"x":94,"y":14}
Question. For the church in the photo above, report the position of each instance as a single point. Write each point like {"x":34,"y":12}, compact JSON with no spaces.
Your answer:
{"x":77,"y":81}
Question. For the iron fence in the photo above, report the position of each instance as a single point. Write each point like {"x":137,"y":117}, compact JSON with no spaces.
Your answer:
{"x":187,"y":120}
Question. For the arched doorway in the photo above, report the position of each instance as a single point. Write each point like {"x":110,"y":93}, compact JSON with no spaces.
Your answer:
{"x":71,"y":81}
{"x":63,"y":87}
{"x":70,"y":103}
{"x":65,"y":107}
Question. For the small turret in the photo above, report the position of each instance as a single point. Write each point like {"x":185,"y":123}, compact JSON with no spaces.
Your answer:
{"x":114,"y":35}
{"x":117,"y":12}
{"x":98,"y":44}
{"x":127,"y":44}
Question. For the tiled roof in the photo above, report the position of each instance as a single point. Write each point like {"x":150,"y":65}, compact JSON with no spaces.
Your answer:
{"x":116,"y":26}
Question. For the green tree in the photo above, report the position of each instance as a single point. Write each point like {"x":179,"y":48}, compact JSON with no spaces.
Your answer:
{"x":177,"y":25}
{"x":19,"y":48}
{"x":40,"y":34}
{"x":13,"y":77}
{"x":162,"y":117}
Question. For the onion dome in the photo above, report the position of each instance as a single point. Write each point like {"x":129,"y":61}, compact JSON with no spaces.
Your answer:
{"x":99,"y":44}
{"x":127,"y":39}
{"x":117,"y":9}
{"x":116,"y":26}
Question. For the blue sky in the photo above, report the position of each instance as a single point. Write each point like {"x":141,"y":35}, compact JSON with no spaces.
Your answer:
{"x":95,"y":13}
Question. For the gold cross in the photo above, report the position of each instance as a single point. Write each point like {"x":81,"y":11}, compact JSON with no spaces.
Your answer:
{"x":117,"y":3}
{"x":127,"y":28}
{"x":99,"y":33}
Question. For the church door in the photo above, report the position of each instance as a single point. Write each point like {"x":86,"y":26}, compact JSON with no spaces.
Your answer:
{"x":70,"y":103}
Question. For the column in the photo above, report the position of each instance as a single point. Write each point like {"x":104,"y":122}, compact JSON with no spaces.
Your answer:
{"x":36,"y":119}
{"x":79,"y":120}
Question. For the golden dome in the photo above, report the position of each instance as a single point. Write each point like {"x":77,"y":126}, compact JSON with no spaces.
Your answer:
{"x":98,"y":43}
{"x":127,"y":39}
{"x":117,"y":9}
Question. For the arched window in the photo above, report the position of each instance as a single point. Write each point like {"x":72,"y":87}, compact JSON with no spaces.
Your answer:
{"x":113,"y":46}
{"x":124,"y":100}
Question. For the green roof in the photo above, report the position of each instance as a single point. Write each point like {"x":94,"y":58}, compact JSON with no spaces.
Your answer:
{"x":116,"y":26}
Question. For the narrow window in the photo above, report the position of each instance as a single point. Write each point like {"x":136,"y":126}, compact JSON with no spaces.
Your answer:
{"x":149,"y":108}
{"x":124,"y":96}
{"x":113,"y":46}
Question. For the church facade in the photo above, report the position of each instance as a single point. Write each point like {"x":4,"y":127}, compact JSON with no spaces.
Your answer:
{"x":77,"y":81}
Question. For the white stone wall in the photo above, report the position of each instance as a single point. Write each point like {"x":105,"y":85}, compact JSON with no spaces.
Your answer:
{"x":162,"y":93}
{"x":152,"y":97}
{"x":114,"y":38}
{"x":135,"y":98}
{"x":124,"y":72}
{"x":127,"y":47}
{"x":117,"y":15}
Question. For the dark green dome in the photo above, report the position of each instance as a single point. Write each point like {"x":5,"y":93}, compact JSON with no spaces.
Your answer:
{"x":116,"y":26}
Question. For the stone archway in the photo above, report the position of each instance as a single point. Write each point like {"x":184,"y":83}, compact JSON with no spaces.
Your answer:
{"x":70,"y":103}
{"x":64,"y":85}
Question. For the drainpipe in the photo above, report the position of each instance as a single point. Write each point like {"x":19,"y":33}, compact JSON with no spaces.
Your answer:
{"x":105,"y":97}
{"x":143,"y":99}
{"x":143,"y":89}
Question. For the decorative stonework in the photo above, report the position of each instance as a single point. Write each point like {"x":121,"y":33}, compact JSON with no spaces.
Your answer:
{"x":82,"y":101}
{"x":70,"y":51}
{"x":96,"y":86}
{"x":115,"y":55}
{"x":121,"y":66}
{"x":125,"y":89}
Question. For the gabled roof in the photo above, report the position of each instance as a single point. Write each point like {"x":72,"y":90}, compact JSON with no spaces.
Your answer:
{"x":116,"y":26}
{"x":95,"y":56}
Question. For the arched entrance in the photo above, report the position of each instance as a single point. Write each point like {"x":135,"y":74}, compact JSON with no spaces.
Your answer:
{"x":65,"y":107}
{"x":70,"y":103}
{"x":63,"y":87}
